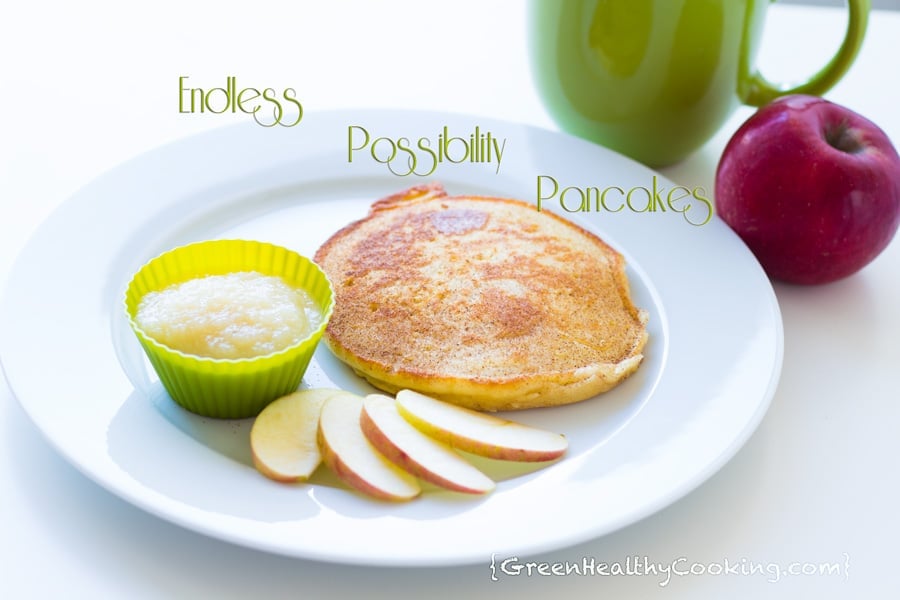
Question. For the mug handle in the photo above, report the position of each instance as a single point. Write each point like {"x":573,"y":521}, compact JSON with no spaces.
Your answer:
{"x":755,"y":90}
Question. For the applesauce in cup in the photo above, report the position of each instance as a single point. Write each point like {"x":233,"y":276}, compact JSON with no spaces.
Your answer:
{"x":235,"y":315}
{"x":229,"y":325}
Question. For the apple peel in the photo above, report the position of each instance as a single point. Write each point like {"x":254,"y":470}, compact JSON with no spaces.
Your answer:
{"x":347,"y":452}
{"x":423,"y":456}
{"x":479,"y":433}
{"x":811,"y":187}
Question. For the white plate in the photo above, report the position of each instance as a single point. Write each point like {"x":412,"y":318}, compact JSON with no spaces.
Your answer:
{"x":711,"y":367}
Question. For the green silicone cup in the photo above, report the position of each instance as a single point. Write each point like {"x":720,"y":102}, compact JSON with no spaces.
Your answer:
{"x":229,"y":388}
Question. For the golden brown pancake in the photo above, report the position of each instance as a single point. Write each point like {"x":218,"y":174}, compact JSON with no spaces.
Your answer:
{"x":484,"y":302}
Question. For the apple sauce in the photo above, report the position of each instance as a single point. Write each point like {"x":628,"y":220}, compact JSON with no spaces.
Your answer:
{"x":232,"y":316}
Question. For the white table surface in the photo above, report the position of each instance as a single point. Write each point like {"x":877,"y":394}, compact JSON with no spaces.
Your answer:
{"x":87,"y":85}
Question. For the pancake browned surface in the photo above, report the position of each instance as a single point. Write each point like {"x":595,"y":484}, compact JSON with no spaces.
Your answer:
{"x":484,"y":302}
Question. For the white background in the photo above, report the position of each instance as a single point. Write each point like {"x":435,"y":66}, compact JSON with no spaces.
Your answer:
{"x":88,"y":85}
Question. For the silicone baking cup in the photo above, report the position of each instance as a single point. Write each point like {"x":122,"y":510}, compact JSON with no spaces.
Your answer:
{"x":229,"y":388}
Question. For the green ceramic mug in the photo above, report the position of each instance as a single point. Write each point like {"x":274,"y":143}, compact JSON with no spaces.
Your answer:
{"x":655,"y":79}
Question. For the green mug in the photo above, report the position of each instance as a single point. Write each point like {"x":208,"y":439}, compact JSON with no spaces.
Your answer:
{"x":655,"y":79}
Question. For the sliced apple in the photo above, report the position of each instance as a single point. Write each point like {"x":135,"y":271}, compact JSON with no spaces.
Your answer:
{"x":415,"y":452}
{"x":479,"y":433}
{"x":283,"y":437}
{"x":353,"y":459}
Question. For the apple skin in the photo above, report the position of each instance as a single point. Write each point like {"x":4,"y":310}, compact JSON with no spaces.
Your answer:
{"x":404,"y":445}
{"x":812,"y":188}
{"x":350,"y":456}
{"x":479,"y":433}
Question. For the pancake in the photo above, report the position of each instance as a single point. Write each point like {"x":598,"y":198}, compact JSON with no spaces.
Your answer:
{"x":483,"y":302}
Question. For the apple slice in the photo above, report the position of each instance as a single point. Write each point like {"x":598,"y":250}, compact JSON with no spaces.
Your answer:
{"x":353,"y":459}
{"x":283,"y":437}
{"x":479,"y":433}
{"x":409,"y":448}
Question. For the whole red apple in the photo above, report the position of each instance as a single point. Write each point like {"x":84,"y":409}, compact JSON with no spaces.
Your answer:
{"x":811,"y":187}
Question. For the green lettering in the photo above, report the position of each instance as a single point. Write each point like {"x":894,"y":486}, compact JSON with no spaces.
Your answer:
{"x":425,"y":146}
{"x":446,"y":145}
{"x":292,"y":98}
{"x":562,"y":199}
{"x":677,"y":194}
{"x":696,"y":193}
{"x":350,"y":147}
{"x":374,"y":150}
{"x":603,"y":199}
{"x":403,"y":146}
{"x":268,"y":95}
{"x":646,"y":208}
{"x":194,"y":93}
{"x":656,"y":201}
{"x":207,"y":105}
{"x":241,"y":99}
{"x":540,"y":196}
{"x":181,"y":96}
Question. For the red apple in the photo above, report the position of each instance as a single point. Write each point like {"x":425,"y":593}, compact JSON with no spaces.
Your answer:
{"x":811,"y":187}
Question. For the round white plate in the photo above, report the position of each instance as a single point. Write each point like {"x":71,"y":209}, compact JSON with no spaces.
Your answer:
{"x":711,"y":366}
